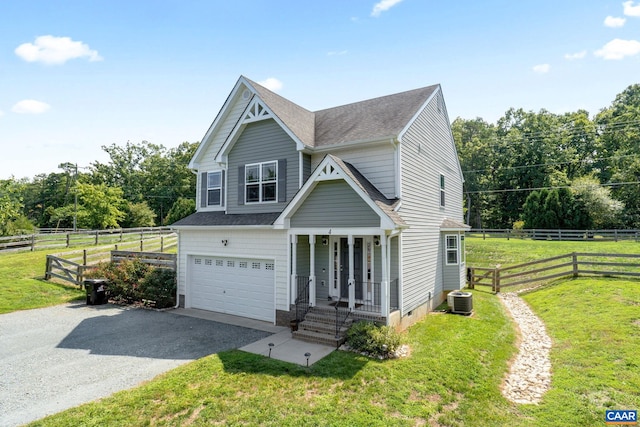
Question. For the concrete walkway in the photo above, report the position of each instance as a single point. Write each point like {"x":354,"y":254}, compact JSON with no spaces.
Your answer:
{"x":284,"y":347}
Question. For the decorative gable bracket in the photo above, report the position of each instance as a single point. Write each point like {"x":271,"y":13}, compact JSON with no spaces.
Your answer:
{"x":329,"y":172}
{"x":256,"y":111}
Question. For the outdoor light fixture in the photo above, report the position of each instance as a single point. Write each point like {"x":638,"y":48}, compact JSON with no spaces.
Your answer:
{"x":376,"y":240}
{"x":325,"y":240}
{"x":224,"y":242}
{"x":270,"y":347}
{"x":307,"y":355}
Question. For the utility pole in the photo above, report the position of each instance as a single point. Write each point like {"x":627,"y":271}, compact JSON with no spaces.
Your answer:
{"x":75,"y":200}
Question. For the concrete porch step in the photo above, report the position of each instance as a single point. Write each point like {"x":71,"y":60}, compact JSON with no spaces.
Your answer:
{"x":323,"y":327}
{"x":318,"y":337}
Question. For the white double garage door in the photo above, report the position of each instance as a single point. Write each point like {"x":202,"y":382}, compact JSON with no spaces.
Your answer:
{"x":239,"y":286}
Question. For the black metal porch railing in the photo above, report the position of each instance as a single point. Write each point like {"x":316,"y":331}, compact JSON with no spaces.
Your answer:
{"x":302,"y":300}
{"x":368,"y":296}
{"x":342,"y":315}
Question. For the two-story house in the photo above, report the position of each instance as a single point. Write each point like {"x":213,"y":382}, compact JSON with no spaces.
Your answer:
{"x":357,"y":206}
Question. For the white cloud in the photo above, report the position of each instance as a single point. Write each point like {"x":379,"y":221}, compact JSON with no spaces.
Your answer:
{"x":55,"y":50}
{"x":1,"y":113}
{"x":542,"y":68}
{"x":272,"y":84}
{"x":630,"y":9}
{"x":613,"y":22}
{"x":30,"y":106}
{"x":383,"y":6}
{"x":337,"y":53}
{"x":618,"y":49}
{"x":577,"y":55}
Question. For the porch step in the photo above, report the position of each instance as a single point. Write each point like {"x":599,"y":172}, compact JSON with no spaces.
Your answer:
{"x":318,"y":337}
{"x":319,"y":326}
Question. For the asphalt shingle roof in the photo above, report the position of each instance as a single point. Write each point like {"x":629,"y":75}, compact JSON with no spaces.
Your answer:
{"x":376,"y":118}
{"x":220,"y":218}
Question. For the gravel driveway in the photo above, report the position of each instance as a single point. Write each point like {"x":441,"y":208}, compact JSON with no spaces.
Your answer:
{"x":55,"y":358}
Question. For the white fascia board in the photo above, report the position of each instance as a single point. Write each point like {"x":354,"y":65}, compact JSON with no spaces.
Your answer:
{"x":338,"y":231}
{"x":292,"y":207}
{"x":222,"y":154}
{"x":415,"y":116}
{"x":219,"y":117}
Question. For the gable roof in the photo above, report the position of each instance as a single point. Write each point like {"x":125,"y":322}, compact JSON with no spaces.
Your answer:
{"x":383,"y":117}
{"x":376,"y":118}
{"x":333,"y":167}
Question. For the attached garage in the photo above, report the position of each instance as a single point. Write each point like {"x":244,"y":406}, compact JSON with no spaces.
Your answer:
{"x":239,"y":286}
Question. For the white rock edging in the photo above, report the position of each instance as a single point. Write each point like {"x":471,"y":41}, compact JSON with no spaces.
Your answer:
{"x":530,"y":374}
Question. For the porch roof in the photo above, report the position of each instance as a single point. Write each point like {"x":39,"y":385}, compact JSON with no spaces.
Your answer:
{"x":449,"y":224}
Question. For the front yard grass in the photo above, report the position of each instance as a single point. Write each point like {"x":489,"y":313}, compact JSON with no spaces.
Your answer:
{"x":22,"y":284}
{"x":452,"y":377}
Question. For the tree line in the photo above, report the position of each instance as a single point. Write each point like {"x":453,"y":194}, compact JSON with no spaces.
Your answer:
{"x":545,"y":170}
{"x":141,"y":185}
{"x":529,"y":169}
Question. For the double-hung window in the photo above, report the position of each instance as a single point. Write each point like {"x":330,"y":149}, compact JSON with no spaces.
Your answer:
{"x":214,"y":188}
{"x":261,"y":182}
{"x":452,"y":249}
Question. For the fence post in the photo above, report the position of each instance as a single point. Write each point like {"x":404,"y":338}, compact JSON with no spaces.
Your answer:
{"x":496,"y":279}
{"x":116,"y":247}
{"x":84,"y":257}
{"x":470,"y":273}
{"x":47,"y":274}
{"x":615,"y":233}
{"x":121,"y":234}
{"x":33,"y":242}
{"x":575,"y":264}
{"x":508,"y":233}
{"x":483,"y":234}
{"x":68,"y":239}
{"x":161,"y":243}
{"x":96,"y":237}
{"x":141,"y":245}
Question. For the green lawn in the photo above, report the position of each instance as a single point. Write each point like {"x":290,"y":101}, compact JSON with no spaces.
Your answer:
{"x":22,"y":284}
{"x":489,"y":252}
{"x":451,"y":378}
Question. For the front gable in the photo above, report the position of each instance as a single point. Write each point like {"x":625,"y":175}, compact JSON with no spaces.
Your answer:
{"x":334,"y":197}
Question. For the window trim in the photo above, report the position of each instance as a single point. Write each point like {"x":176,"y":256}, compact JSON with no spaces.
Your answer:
{"x":261,"y":183}
{"x":219,"y":187}
{"x":442,"y":191}
{"x":451,"y":249}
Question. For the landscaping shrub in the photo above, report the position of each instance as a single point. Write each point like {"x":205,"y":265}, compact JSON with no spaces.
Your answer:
{"x":132,"y":281}
{"x":372,"y":339}
{"x":159,"y":285}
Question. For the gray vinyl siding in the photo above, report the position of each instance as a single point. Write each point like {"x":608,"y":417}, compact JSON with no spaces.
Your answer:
{"x":451,"y":273}
{"x":261,"y":141}
{"x":306,"y":167}
{"x":427,"y":150}
{"x":322,"y":262}
{"x":302,"y":256}
{"x":334,"y":204}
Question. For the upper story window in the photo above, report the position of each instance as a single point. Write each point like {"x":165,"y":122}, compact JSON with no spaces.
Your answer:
{"x":214,"y":188}
{"x":261,"y":182}
{"x":442,"y":198}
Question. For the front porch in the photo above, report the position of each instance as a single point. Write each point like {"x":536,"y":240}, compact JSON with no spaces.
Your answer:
{"x":352,"y":272}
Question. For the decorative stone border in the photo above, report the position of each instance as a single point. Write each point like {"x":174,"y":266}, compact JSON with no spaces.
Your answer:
{"x":529,"y":376}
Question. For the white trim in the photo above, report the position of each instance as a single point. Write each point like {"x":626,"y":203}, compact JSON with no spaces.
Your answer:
{"x":219,"y":117}
{"x":260,"y":183}
{"x":300,"y":169}
{"x":228,"y":144}
{"x":417,"y":114}
{"x":456,"y":238}
{"x":328,"y":169}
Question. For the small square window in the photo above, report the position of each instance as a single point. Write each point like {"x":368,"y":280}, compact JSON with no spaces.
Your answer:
{"x":255,"y":265}
{"x":219,"y":263}
{"x":269,"y":266}
{"x":197,"y":261}
{"x":231,"y":264}
{"x":207,"y":262}
{"x":242,"y":264}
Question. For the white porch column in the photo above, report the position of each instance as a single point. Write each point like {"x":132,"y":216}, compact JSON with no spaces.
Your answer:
{"x":294,"y":267}
{"x":312,"y":270}
{"x":352,"y":284}
{"x":384,"y":285}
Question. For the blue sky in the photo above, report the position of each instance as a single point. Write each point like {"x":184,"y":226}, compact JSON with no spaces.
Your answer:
{"x":77,"y":75}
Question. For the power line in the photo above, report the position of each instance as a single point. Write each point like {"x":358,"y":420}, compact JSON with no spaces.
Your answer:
{"x":513,"y":190}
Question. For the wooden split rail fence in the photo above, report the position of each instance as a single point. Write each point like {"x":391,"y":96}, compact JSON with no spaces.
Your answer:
{"x":72,"y":266}
{"x":569,"y":265}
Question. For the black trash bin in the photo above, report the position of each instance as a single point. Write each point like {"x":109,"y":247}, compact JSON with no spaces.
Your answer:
{"x":96,"y":291}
